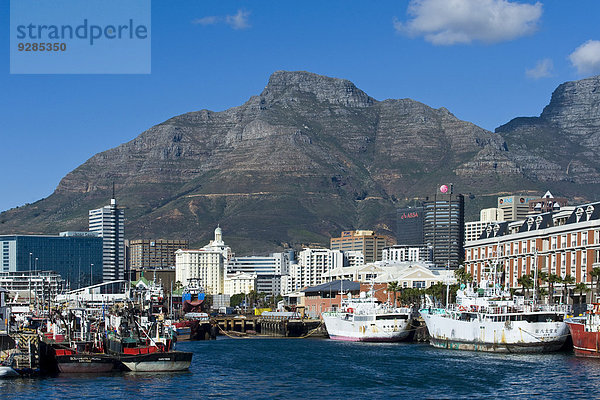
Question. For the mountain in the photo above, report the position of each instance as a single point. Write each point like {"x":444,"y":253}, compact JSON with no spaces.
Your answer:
{"x":562,"y":145}
{"x":308,"y":157}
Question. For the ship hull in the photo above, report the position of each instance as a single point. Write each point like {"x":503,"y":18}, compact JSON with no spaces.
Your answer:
{"x":500,"y":337}
{"x":369,"y":329}
{"x":7,"y":372}
{"x":497,"y":347}
{"x":157,"y":362}
{"x":85,"y":363}
{"x":585,"y":344}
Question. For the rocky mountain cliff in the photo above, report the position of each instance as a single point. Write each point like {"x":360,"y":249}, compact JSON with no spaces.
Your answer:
{"x":308,"y":157}
{"x":561,"y":145}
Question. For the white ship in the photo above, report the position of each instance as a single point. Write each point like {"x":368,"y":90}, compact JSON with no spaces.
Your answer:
{"x":365,"y":319}
{"x":487,"y":320}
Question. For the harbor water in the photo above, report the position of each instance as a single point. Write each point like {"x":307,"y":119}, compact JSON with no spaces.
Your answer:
{"x":316,"y":368}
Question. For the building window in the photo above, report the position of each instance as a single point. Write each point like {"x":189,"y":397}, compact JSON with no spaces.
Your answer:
{"x":584,"y":236}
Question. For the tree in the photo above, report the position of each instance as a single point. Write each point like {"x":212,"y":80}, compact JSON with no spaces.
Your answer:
{"x":462,"y":276}
{"x":394,"y":288}
{"x":436,"y":291}
{"x":581,"y":287}
{"x":542,"y":278}
{"x":251,"y":299}
{"x":236,"y":299}
{"x":552,"y":279}
{"x":526,"y":282}
{"x":567,"y":280}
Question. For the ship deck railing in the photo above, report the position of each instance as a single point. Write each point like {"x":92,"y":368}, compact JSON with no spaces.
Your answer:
{"x":506,"y":309}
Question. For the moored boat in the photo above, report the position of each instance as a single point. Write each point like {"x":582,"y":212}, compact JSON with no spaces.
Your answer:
{"x":367,"y":320}
{"x":157,"y":361}
{"x":69,"y":361}
{"x":144,"y":350}
{"x":585,"y":332}
{"x":487,"y":320}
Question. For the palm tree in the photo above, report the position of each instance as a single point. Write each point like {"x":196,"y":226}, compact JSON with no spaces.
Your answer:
{"x":526,"y":282}
{"x":542,"y":278}
{"x":552,"y":279}
{"x":581,"y":287}
{"x":394,"y":288}
{"x":567,"y":280}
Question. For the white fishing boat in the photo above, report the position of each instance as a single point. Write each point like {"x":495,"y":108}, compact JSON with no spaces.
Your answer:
{"x":489,"y":320}
{"x":365,"y":319}
{"x":7,"y":371}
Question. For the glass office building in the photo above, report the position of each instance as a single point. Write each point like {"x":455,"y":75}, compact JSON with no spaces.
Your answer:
{"x":444,"y":229}
{"x":409,"y":226}
{"x":76,"y":256}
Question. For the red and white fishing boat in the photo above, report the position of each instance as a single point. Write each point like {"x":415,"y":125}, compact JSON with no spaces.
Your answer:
{"x":585,"y":332}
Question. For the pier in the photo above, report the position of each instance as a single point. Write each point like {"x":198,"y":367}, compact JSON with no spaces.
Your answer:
{"x":276,"y":326}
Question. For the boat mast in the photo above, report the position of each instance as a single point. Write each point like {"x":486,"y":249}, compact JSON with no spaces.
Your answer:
{"x":448,"y":282}
{"x":535,"y":275}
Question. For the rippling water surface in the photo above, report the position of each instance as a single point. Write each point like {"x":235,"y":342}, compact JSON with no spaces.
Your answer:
{"x":318,"y":368}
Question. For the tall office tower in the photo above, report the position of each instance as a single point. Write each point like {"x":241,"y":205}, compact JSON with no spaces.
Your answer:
{"x":409,"y":226}
{"x":108,"y":223}
{"x":444,"y":228}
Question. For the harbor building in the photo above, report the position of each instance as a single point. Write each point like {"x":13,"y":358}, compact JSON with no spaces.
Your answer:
{"x":153,"y":254}
{"x":514,"y":207}
{"x":207,"y":265}
{"x":409,"y":226}
{"x":108,"y":222}
{"x":407,"y":274}
{"x":353,"y":258}
{"x":268,"y":270}
{"x":369,"y":244}
{"x":312,"y":264}
{"x":76,"y":256}
{"x":39,"y":287}
{"x":565,"y":242}
{"x":402,"y":253}
{"x":444,"y":229}
{"x":474,"y":229}
{"x":240,"y":282}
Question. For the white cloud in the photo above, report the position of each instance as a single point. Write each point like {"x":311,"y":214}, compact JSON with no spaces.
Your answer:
{"x":543,"y":69}
{"x":448,"y":22}
{"x":586,"y":58}
{"x":237,"y":21}
{"x":212,"y":20}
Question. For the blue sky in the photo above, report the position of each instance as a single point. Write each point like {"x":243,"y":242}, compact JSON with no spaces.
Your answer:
{"x":487,"y":61}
